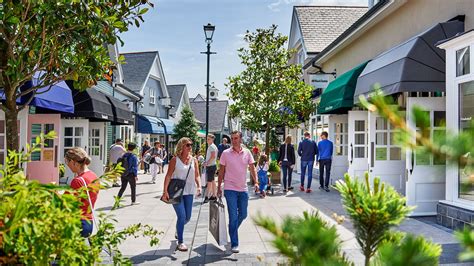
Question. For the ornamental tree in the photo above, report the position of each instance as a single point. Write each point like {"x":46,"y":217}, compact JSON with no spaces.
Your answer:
{"x":269,"y":92}
{"x":66,"y":40}
{"x":187,"y":126}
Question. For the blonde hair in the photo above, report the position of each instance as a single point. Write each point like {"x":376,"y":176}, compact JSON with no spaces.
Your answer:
{"x":78,"y":155}
{"x":180,"y":145}
{"x":288,"y":139}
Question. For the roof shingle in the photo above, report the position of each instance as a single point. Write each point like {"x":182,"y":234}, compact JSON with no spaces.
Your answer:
{"x":321,"y":25}
{"x":136,"y":68}
{"x":176,"y":93}
{"x":217,"y":113}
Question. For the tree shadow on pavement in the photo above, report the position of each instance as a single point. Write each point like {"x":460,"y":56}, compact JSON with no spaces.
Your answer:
{"x":204,"y":258}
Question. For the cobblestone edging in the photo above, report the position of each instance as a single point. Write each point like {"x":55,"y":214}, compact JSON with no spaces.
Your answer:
{"x":454,"y":217}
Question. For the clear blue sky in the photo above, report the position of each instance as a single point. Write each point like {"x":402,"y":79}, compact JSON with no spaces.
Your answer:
{"x":175,"y":29}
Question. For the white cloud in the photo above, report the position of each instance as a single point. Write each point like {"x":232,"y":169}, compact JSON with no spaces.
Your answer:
{"x":275,"y":6}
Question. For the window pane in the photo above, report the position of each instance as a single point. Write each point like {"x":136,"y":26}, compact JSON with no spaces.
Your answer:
{"x":77,"y":142}
{"x":423,"y":121}
{"x":338,"y":150}
{"x":462,"y":62}
{"x":2,"y":142}
{"x":2,"y":158}
{"x":359,"y":152}
{"x":359,"y":125}
{"x":48,"y":128}
{"x":67,"y":142}
{"x":381,"y":154}
{"x":79,"y":131}
{"x":381,"y":138}
{"x":2,"y":126}
{"x":439,"y":118}
{"x":68,"y":131}
{"x":395,"y":154}
{"x":393,"y":136}
{"x":359,"y":138}
{"x":466,"y":104}
{"x":35,"y":129}
{"x":345,"y":150}
{"x":422,"y":158}
{"x":96,"y":142}
{"x":466,"y":186}
{"x":49,"y":143}
{"x":338,"y":127}
{"x":380,"y":123}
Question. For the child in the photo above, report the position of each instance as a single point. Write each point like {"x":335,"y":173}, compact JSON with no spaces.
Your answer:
{"x":262,"y":172}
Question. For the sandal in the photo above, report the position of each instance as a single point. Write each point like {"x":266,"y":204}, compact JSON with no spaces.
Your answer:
{"x":182,"y":247}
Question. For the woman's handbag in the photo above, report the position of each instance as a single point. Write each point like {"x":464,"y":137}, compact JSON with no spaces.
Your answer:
{"x":176,"y":188}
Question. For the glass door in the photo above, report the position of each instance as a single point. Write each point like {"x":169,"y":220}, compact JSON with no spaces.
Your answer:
{"x":358,"y":144}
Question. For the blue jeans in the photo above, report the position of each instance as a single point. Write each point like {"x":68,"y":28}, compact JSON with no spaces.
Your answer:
{"x":237,"y":203}
{"x":183,"y":212}
{"x":309,"y":165}
{"x":86,"y":228}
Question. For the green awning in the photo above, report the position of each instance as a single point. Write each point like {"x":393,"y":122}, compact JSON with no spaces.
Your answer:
{"x":338,"y":97}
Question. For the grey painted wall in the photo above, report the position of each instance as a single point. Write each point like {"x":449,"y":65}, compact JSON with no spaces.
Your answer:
{"x":152,"y":109}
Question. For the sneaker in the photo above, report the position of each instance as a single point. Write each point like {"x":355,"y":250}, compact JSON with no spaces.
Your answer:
{"x":308,"y":190}
{"x":291,"y":188}
{"x":235,"y":249}
{"x":284,"y":190}
{"x":301,"y":188}
{"x":135,"y":203}
{"x":182,"y":247}
{"x":321,"y":187}
{"x":116,"y":185}
{"x":206,"y":200}
{"x":327,"y":189}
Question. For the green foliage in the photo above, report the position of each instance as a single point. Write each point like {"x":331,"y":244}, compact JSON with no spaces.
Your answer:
{"x":66,"y":40}
{"x":62,"y":169}
{"x":38,"y":224}
{"x":187,"y":127}
{"x":373,"y":211}
{"x":466,"y":238}
{"x":273,"y":166}
{"x":410,"y":250}
{"x":306,"y":240}
{"x":269,"y":92}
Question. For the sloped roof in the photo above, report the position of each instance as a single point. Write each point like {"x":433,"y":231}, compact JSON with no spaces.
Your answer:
{"x":217,"y":112}
{"x":176,"y":93}
{"x":198,"y":98}
{"x":136,"y":68}
{"x":321,"y":25}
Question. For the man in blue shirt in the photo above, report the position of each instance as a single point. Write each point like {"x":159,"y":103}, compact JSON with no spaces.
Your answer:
{"x":130,"y":174}
{"x":325,"y":148}
{"x":307,"y":149}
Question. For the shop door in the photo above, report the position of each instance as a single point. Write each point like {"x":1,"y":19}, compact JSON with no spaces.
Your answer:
{"x":426,"y":177}
{"x":44,"y":165}
{"x":358,"y":144}
{"x":338,"y":134}
{"x":96,"y":147}
{"x":385,"y":158}
{"x":74,"y":135}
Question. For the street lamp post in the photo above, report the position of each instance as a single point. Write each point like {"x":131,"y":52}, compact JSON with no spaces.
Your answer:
{"x":209,"y":32}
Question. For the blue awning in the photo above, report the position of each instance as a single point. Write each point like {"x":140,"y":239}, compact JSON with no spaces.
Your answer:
{"x":153,"y":125}
{"x":57,"y":97}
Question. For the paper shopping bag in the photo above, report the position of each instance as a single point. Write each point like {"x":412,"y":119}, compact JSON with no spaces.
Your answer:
{"x":203,"y":178}
{"x":217,"y":223}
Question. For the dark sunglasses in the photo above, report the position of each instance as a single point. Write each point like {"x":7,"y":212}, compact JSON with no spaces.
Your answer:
{"x":189,"y":145}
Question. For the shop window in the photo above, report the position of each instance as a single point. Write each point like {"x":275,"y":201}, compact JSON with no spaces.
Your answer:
{"x":385,"y":146}
{"x":466,"y":115}
{"x":360,"y":137}
{"x":462,"y":62}
{"x":436,"y":123}
{"x":340,"y":139}
{"x":94,"y":142}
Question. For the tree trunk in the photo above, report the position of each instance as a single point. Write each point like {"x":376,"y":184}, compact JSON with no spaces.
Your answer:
{"x":267,"y":141}
{"x":11,"y":117}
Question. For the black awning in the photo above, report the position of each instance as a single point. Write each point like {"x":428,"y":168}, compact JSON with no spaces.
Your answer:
{"x":121,"y":113}
{"x":91,"y":104}
{"x":416,"y":65}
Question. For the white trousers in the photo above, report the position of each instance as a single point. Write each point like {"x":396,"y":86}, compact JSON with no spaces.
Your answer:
{"x":154,"y":171}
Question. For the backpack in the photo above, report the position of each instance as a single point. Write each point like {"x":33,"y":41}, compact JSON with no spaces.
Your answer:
{"x":125,"y":165}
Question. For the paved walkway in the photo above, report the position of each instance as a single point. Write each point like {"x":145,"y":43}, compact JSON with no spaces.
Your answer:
{"x":255,"y":242}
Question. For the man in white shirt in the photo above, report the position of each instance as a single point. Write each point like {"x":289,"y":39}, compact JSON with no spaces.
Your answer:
{"x":115,"y":152}
{"x":211,"y":168}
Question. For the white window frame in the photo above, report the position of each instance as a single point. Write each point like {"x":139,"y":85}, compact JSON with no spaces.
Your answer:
{"x":152,"y":96}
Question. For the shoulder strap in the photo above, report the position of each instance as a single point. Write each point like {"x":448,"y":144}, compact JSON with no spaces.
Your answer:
{"x":89,"y":198}
{"x":189,"y":169}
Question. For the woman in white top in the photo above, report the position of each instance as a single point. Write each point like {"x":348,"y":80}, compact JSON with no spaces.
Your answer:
{"x":178,"y":168}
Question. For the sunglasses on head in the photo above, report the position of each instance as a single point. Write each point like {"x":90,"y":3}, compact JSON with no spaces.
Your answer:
{"x":189,"y":145}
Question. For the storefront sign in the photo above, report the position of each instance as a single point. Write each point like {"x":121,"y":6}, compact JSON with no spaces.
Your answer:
{"x":319,"y":81}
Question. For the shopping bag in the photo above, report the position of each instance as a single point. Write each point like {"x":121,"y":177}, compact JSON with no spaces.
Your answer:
{"x":203,"y":178}
{"x":217,"y":223}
